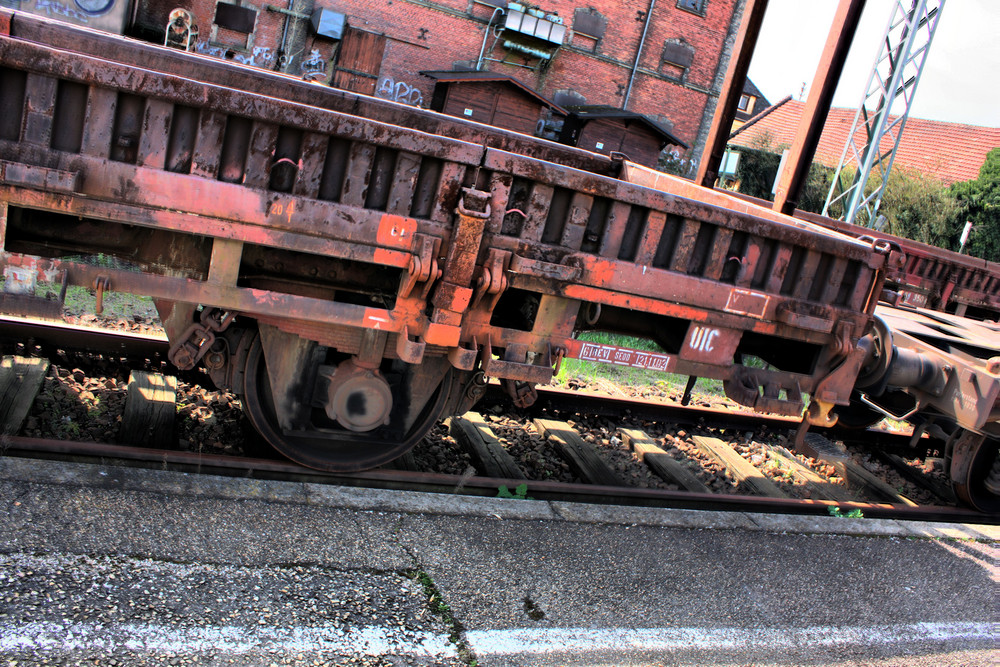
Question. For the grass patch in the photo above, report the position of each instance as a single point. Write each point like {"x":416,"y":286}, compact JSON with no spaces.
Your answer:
{"x":626,"y":376}
{"x":82,"y":301}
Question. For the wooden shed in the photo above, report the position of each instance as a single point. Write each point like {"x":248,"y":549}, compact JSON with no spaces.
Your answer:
{"x":609,"y":130}
{"x":490,"y":98}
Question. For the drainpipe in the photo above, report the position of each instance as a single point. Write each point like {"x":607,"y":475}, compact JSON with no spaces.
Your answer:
{"x":284,"y":37}
{"x":489,"y":27}
{"x":638,"y":53}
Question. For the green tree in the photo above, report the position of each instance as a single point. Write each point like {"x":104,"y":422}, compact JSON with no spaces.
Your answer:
{"x":979,"y":202}
{"x":920,"y":207}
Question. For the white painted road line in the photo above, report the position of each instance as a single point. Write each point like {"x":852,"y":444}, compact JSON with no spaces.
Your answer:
{"x":587,"y":640}
{"x":232,"y":640}
{"x":375,"y":641}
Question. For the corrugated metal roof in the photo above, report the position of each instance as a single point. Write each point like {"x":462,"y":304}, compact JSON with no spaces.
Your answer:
{"x":950,"y":152}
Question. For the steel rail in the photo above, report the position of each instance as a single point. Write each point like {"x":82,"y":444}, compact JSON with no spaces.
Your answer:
{"x":257,"y":468}
{"x":82,"y":338}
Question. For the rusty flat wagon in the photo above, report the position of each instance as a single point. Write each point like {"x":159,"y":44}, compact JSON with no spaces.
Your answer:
{"x":356,"y":269}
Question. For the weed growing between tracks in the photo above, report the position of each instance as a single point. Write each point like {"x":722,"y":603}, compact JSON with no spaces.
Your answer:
{"x":853,"y":514}
{"x":520,"y":492}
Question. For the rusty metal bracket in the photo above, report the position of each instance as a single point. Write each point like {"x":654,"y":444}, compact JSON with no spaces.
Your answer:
{"x":522,"y":394}
{"x":789,"y":314}
{"x":514,"y":365}
{"x":198,"y":338}
{"x":217,"y":319}
{"x":492,"y":278}
{"x":409,"y":350}
{"x":842,"y":332}
{"x":463,"y":247}
{"x":464,"y":358}
{"x":837,"y":385}
{"x":423,"y":266}
{"x":745,"y":388}
{"x":192,"y":346}
{"x":101,"y":283}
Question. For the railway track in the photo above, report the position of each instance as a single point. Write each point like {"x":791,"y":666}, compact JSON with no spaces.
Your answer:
{"x":571,"y":445}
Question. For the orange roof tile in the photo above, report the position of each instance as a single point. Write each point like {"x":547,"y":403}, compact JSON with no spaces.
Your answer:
{"x":948,"y":151}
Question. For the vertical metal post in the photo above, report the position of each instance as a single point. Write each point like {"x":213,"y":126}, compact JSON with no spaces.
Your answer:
{"x":725,"y":110}
{"x":831,"y":64}
{"x":3,"y":225}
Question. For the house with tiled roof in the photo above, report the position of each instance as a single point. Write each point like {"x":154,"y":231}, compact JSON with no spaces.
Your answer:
{"x":950,"y":152}
{"x":751,"y":102}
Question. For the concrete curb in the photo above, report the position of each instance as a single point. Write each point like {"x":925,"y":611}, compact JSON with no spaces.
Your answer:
{"x":164,"y":482}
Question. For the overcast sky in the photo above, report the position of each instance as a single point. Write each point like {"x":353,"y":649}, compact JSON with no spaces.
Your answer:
{"x":959,"y":81}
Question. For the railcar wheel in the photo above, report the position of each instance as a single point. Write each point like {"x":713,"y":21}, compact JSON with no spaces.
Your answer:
{"x":325,"y":447}
{"x":975,"y":471}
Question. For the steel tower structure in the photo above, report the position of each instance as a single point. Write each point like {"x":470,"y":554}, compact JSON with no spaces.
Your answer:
{"x":875,"y":134}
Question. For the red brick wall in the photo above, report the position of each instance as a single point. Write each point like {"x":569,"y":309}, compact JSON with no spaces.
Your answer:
{"x":434,"y":34}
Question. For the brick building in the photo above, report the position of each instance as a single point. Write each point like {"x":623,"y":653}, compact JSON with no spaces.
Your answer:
{"x":661,"y":58}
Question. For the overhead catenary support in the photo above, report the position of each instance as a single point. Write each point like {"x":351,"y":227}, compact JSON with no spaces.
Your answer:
{"x":831,"y":64}
{"x":895,"y":75}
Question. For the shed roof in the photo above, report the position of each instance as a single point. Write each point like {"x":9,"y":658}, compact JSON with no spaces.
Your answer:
{"x":461,"y":77}
{"x":949,"y":151}
{"x":596,"y":112}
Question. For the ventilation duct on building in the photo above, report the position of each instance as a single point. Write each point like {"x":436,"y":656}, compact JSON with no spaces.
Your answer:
{"x":328,"y":23}
{"x":546,"y":27}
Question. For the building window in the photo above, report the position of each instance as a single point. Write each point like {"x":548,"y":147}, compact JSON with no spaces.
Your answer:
{"x":745,"y":104}
{"x":589,"y":27}
{"x":695,"y":6}
{"x":676,"y":58}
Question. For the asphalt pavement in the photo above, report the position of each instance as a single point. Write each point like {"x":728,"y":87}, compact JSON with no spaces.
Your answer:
{"x":129,"y":566}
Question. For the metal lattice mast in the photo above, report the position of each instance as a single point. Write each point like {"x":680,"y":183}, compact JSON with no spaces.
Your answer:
{"x":895,"y":75}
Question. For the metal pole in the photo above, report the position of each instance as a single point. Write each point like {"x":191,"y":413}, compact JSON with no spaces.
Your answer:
{"x":638,"y":53}
{"x":489,"y":26}
{"x":725,"y":108}
{"x":831,"y":64}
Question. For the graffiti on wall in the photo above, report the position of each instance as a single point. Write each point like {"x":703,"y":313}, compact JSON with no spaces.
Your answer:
{"x":261,"y":56}
{"x":314,"y":67}
{"x":399,"y":91}
{"x":56,"y":8}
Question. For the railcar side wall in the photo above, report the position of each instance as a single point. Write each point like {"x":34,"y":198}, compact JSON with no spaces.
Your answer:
{"x":329,"y":224}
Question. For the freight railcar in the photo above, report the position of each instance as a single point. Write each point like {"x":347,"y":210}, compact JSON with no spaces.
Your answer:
{"x":356,"y":269}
